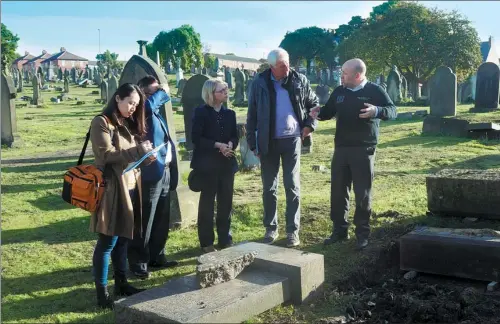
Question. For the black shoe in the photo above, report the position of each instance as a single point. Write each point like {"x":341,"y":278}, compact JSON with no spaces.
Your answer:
{"x":103,"y":298}
{"x":336,"y":237}
{"x":163,"y":263}
{"x":225,"y":245}
{"x":123,"y":288}
{"x":139,"y":272}
{"x":362,"y":243}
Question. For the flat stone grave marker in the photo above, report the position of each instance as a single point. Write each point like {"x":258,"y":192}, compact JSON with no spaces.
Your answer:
{"x":464,"y":253}
{"x":275,"y":276}
{"x":435,"y":125}
{"x":462,"y":192}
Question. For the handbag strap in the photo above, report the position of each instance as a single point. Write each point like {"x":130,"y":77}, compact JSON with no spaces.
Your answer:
{"x":82,"y":154}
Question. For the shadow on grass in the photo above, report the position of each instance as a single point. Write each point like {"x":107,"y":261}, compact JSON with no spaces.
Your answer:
{"x":6,"y":188}
{"x":71,"y":230}
{"x":425,"y":141}
{"x":484,"y":162}
{"x":48,"y":167}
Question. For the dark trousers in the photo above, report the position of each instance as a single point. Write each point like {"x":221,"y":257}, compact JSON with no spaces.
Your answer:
{"x":288,"y":150}
{"x":106,"y":246}
{"x":217,"y":184}
{"x":155,"y":224}
{"x":352,"y":165}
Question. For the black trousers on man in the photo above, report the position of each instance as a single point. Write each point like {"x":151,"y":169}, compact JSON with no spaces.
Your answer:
{"x":352,"y":166}
{"x":219,"y":183}
{"x":155,"y":224}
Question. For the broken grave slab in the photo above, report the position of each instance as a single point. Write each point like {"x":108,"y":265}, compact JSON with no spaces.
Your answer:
{"x":464,"y":253}
{"x":223,"y":268}
{"x":483,"y":126}
{"x":305,"y":270}
{"x":463,"y":192}
{"x":434,"y":125}
{"x":181,"y":301}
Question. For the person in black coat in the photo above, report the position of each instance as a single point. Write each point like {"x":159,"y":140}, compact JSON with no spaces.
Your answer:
{"x":215,"y":138}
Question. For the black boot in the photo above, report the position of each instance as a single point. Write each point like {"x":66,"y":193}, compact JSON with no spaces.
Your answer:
{"x":123,"y":288}
{"x":103,"y":299}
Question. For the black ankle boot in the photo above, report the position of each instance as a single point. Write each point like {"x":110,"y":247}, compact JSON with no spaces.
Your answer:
{"x":123,"y":288}
{"x":103,"y":298}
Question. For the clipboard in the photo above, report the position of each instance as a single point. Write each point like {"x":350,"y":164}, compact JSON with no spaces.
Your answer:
{"x":136,"y":164}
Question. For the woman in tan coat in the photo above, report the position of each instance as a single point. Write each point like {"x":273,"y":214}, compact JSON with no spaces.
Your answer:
{"x":116,"y":142}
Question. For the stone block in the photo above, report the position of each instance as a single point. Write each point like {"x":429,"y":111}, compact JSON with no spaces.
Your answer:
{"x":434,"y":125}
{"x":464,"y":253}
{"x":405,"y":116}
{"x":483,"y":126}
{"x":468,"y":193}
{"x":181,"y":301}
{"x":305,"y":270}
{"x":223,"y":269}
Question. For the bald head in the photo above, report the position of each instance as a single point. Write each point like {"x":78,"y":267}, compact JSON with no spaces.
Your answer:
{"x":353,"y":72}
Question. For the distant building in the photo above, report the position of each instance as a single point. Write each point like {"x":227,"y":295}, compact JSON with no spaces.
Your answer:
{"x":18,"y":62}
{"x":233,"y":62}
{"x":64,"y":60}
{"x":33,"y":64}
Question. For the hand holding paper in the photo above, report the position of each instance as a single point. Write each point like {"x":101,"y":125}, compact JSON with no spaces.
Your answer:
{"x":147,"y":155}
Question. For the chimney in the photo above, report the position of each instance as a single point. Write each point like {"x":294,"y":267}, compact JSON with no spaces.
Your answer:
{"x":142,"y":47}
{"x":63,"y":49}
{"x":44,"y":52}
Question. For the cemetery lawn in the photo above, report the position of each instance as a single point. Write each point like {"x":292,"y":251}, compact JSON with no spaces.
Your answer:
{"x":47,"y":248}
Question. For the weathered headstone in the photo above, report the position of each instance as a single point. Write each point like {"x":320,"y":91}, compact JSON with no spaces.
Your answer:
{"x":104,"y":91}
{"x":179,"y":75}
{"x":191,"y":98}
{"x":66,"y":73}
{"x":73,"y":75}
{"x":322,"y":91}
{"x":248,"y":87}
{"x":59,"y":74}
{"x":91,"y":74}
{"x":394,"y":85}
{"x":180,"y":89}
{"x":184,"y":202}
{"x":8,"y":112}
{"x":239,"y":92}
{"x":444,"y":83}
{"x":20,"y":82}
{"x":193,"y":69}
{"x":487,"y":87}
{"x":462,"y":192}
{"x":112,"y":86}
{"x":98,"y":78}
{"x":404,"y":87}
{"x":66,"y":85}
{"x":228,"y":77}
{"x":435,"y":125}
{"x":204,"y":70}
{"x":37,"y":98}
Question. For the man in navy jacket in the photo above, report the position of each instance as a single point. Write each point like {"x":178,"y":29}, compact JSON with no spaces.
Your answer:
{"x":158,"y":179}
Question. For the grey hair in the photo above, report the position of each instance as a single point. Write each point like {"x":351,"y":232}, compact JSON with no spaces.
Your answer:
{"x":277,"y":55}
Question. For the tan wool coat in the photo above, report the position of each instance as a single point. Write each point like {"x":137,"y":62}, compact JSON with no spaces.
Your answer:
{"x":115,"y":214}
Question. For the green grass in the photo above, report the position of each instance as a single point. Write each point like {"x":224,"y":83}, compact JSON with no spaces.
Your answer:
{"x":47,"y":248}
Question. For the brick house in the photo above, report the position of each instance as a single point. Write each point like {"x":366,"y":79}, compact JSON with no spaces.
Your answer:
{"x":64,"y":60}
{"x":33,"y":64}
{"x":18,"y":62}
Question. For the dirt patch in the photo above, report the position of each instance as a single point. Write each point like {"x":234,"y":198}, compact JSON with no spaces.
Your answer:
{"x":380,"y":294}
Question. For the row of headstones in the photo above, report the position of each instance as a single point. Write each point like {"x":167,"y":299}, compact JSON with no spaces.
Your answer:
{"x":443,"y":90}
{"x":108,"y":88}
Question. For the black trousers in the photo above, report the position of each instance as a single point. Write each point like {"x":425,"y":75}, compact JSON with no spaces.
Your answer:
{"x":352,"y":166}
{"x":155,"y":224}
{"x":217,"y":184}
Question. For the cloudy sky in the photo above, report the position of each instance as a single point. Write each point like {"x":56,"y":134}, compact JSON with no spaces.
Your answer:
{"x":250,"y":28}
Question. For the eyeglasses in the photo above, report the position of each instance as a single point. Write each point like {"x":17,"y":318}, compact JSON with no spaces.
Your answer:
{"x":225,"y":90}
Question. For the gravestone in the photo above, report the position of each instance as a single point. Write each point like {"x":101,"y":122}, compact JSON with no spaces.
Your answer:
{"x":228,"y":77}
{"x":59,"y":74}
{"x":184,"y":202}
{"x":112,"y":86}
{"x":404,"y":87}
{"x":322,"y":91}
{"x":66,"y":73}
{"x":444,"y":83}
{"x":91,"y":74}
{"x":8,"y":112}
{"x":37,"y":98}
{"x":248,"y":159}
{"x":239,"y":92}
{"x":66,"y":85}
{"x":204,"y":71}
{"x":104,"y":91}
{"x":73,"y":75}
{"x":180,"y":89}
{"x":394,"y":85}
{"x":191,"y":98}
{"x":193,"y":69}
{"x":179,"y":75}
{"x":487,"y":87}
{"x":98,"y":78}
{"x":435,"y":125}
{"x":20,"y":82}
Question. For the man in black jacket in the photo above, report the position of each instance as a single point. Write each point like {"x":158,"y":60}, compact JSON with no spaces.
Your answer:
{"x":358,"y":106}
{"x":279,"y":104}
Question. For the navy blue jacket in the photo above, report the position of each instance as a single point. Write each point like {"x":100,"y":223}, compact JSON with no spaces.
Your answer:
{"x":205,"y":132}
{"x":157,"y":134}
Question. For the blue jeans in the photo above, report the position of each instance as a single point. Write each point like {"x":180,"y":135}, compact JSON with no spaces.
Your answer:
{"x":106,"y":246}
{"x":288,"y":151}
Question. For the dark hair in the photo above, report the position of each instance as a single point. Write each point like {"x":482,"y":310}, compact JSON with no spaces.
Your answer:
{"x":146,"y":81}
{"x":137,"y":122}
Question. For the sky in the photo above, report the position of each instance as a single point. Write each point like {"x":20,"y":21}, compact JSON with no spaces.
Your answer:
{"x":246,"y":28}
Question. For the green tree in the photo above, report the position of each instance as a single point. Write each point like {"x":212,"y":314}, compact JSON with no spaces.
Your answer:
{"x":183,"y":42}
{"x":417,"y":40}
{"x":382,"y":9}
{"x":304,"y":44}
{"x":209,"y":61}
{"x":108,"y":60}
{"x":9,"y":47}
